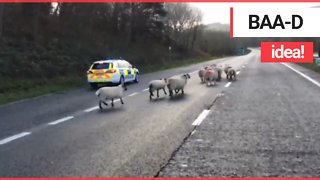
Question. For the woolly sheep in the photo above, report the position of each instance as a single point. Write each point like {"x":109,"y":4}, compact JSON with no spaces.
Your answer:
{"x":177,"y":83}
{"x":227,"y":66}
{"x":201,"y":75}
{"x":231,"y":74}
{"x":110,"y":93}
{"x":210,"y":76}
{"x":156,"y":85}
{"x":218,"y":69}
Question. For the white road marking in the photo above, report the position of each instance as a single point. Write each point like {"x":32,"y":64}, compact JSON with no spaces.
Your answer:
{"x":91,"y":109}
{"x":14,"y":137}
{"x":145,"y":90}
{"x":193,"y":132}
{"x":201,"y":117}
{"x":228,"y":84}
{"x":238,"y":72}
{"x":135,"y":93}
{"x":303,"y":75}
{"x":61,"y":120}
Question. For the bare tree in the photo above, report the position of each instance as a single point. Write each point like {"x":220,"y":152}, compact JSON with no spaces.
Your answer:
{"x":182,"y":20}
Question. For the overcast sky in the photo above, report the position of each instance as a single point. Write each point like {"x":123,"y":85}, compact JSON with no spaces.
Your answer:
{"x":219,"y":12}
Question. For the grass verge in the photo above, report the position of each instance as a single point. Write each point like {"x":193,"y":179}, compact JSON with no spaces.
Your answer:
{"x":313,"y":66}
{"x":14,"y":90}
{"x":31,"y":88}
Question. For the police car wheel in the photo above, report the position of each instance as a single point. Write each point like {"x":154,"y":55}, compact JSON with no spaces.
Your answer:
{"x":93,"y":85}
{"x":136,"y":80}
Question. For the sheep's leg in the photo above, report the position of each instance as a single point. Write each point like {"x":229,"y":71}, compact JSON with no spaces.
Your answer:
{"x":157,"y":93}
{"x":170,"y":93}
{"x":150,"y":97}
{"x":112,"y":102}
{"x":100,"y":105}
{"x":164,"y":90}
{"x":121,"y":101}
{"x":105,"y":103}
{"x":182,"y":91}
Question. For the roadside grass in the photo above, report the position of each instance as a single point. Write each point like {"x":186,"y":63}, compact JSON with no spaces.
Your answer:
{"x":311,"y":66}
{"x":14,"y":90}
{"x":30,"y":88}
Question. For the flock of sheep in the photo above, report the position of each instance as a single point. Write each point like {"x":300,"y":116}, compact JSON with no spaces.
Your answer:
{"x":209,"y":75}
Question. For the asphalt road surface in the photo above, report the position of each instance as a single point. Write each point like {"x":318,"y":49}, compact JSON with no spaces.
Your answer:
{"x":263,"y":124}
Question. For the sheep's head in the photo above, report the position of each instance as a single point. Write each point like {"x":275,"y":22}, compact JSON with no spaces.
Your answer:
{"x":124,"y":87}
{"x":186,"y":76}
{"x":165,"y":80}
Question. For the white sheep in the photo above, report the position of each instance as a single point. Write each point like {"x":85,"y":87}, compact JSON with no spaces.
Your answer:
{"x":227,"y":66}
{"x":156,"y":85}
{"x":210,"y":76}
{"x":218,"y":69}
{"x":201,"y":75}
{"x":110,"y":93}
{"x":177,"y":83}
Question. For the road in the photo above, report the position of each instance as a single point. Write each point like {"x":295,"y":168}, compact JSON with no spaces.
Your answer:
{"x":265,"y":125}
{"x":65,"y":135}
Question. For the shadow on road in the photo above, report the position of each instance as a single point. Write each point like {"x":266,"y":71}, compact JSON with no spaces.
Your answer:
{"x":179,"y":97}
{"x":115,"y":109}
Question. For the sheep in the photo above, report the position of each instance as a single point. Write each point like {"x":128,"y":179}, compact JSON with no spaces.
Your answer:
{"x":227,"y":66}
{"x":157,"y":85}
{"x":231,"y":74}
{"x":210,"y":76}
{"x":201,"y":75}
{"x":110,"y":93}
{"x":177,"y":83}
{"x":218,"y":69}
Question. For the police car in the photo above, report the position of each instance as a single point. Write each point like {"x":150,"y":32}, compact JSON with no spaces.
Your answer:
{"x":114,"y":71}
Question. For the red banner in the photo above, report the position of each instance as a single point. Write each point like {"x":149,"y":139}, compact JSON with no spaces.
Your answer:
{"x":297,"y":52}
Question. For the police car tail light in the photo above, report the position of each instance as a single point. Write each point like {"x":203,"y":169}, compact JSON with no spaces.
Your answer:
{"x":111,"y":71}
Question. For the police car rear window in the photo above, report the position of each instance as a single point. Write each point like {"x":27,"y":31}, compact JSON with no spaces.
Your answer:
{"x":100,"y":66}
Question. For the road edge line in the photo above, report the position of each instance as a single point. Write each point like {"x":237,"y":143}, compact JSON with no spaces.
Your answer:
{"x":303,"y":75}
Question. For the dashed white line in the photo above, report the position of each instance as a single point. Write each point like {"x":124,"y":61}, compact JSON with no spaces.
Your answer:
{"x":14,"y":137}
{"x":303,"y":75}
{"x":238,"y":72}
{"x":61,"y":120}
{"x":228,"y":84}
{"x":135,"y":93}
{"x":91,"y":109}
{"x":201,"y":117}
{"x":193,"y":132}
{"x":145,"y":90}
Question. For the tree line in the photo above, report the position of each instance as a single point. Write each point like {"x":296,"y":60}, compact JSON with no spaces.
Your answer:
{"x":42,"y":41}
